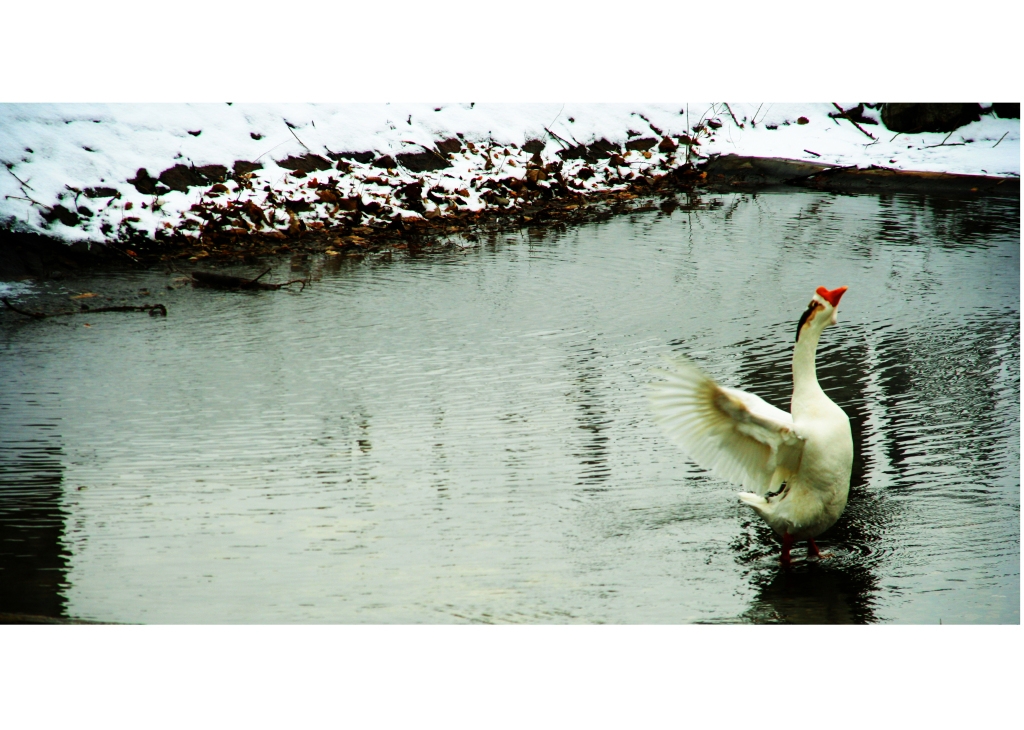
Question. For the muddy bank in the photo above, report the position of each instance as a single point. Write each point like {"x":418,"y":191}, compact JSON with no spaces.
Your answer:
{"x":735,"y":172}
{"x":543,"y":197}
{"x":528,"y":205}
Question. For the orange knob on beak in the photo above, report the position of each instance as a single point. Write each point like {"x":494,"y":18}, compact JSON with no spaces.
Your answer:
{"x":832,"y":297}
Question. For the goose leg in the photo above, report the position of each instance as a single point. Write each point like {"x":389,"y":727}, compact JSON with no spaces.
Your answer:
{"x":812,"y":549}
{"x":787,"y":543}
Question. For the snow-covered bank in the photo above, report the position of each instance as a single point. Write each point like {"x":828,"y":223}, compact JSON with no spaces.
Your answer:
{"x":104,"y":172}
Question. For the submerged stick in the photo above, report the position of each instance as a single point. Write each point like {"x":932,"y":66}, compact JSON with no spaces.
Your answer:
{"x":34,"y":315}
{"x":223,"y":281}
{"x":153,"y":309}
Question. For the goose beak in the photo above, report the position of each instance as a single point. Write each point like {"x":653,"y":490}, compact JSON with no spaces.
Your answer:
{"x":833,"y":296}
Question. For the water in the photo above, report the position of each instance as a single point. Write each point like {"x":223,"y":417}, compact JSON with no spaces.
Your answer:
{"x":465,"y":438}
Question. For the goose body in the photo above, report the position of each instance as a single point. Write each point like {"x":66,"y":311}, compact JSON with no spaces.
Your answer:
{"x":795,"y":465}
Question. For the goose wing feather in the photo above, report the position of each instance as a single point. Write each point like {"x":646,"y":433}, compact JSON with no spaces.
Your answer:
{"x":735,"y":435}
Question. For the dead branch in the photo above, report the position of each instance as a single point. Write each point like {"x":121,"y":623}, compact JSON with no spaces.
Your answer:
{"x":267,"y":271}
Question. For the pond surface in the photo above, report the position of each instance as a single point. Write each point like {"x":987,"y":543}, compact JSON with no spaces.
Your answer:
{"x":464,"y":437}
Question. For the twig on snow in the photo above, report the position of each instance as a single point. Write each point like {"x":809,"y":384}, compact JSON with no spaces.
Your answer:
{"x":846,"y":115}
{"x":9,"y":166}
{"x":943,"y":143}
{"x":734,"y":119}
{"x":274,"y":148}
{"x":753,"y":119}
{"x":557,"y":138}
{"x":18,"y":197}
{"x":1000,"y":140}
{"x":297,"y":136}
{"x":556,"y":116}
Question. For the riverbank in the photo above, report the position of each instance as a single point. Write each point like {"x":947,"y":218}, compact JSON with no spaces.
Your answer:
{"x":234,"y":183}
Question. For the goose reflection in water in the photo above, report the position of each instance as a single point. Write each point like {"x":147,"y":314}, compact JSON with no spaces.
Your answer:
{"x":815,"y":593}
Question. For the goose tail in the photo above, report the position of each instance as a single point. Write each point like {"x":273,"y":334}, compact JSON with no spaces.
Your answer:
{"x":756,"y":502}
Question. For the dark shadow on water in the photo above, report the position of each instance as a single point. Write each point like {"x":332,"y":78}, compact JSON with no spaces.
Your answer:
{"x":593,"y":419}
{"x":33,"y":560}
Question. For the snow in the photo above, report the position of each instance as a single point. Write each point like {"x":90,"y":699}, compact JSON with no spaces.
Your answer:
{"x":52,"y":152}
{"x":970,"y":150}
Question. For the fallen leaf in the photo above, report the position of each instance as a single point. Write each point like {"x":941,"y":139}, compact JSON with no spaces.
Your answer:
{"x":84,"y":295}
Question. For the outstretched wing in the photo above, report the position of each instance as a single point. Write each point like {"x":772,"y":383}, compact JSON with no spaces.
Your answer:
{"x":735,"y":435}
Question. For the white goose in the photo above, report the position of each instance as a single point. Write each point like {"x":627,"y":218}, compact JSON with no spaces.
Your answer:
{"x":739,"y":437}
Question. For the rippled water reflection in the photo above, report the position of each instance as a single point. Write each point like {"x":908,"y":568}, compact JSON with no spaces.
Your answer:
{"x":464,"y":437}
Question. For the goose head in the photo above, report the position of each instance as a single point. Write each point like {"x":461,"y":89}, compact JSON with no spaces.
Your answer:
{"x":821,"y":312}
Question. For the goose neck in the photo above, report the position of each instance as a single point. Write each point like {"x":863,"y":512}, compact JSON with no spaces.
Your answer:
{"x":805,"y":376}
